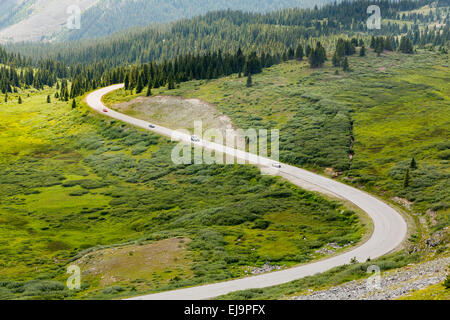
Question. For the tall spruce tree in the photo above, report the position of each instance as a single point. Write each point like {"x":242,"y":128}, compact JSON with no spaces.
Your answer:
{"x":299,"y":53}
{"x":345,"y":65}
{"x":140,"y":84}
{"x":413,"y":164}
{"x":407,"y":179}
{"x":249,"y":80}
{"x":362,"y":51}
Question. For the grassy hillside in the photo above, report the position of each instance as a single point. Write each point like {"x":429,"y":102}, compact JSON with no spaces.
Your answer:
{"x":366,"y":124}
{"x":73,"y":183}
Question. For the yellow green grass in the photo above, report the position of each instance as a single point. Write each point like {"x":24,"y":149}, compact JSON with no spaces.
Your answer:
{"x":74,"y":183}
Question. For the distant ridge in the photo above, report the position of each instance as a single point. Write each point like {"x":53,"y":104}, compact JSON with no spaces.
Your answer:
{"x":44,"y":20}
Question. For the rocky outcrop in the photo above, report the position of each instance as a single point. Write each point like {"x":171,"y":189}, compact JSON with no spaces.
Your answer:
{"x":392,"y":284}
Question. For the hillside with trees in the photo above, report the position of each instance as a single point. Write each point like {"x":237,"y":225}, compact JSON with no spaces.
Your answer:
{"x":110,"y":16}
{"x":230,"y":30}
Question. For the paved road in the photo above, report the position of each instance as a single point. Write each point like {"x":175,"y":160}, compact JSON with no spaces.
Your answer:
{"x":389,"y":226}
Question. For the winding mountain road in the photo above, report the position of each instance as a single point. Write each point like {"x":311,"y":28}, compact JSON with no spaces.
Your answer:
{"x":389,"y":227}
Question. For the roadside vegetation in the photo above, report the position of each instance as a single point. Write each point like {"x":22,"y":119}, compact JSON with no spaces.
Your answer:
{"x":382,"y":126}
{"x":367,"y":125}
{"x":73,"y":183}
{"x":323,"y":280}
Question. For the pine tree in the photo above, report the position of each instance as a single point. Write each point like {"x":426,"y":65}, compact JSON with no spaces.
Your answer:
{"x":379,"y":46}
{"x":362,"y":51}
{"x":299,"y":53}
{"x":413,"y":164}
{"x":149,"y":90}
{"x":140,"y":85}
{"x":74,"y":104}
{"x":388,"y":44}
{"x":407,"y":179}
{"x":171,"y":85}
{"x":345,"y":65}
{"x":249,"y":80}
{"x":406,"y":45}
{"x":6,"y":97}
{"x":308,"y":50}
{"x":48,"y":99}
{"x":127,"y":82}
{"x":372,"y":42}
{"x":20,"y":100}
{"x":335,"y":60}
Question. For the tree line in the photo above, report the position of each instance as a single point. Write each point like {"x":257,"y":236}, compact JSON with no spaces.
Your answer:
{"x":228,"y":30}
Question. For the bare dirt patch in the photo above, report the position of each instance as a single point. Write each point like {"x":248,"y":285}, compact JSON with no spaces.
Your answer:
{"x":163,"y":260}
{"x":176,"y":113}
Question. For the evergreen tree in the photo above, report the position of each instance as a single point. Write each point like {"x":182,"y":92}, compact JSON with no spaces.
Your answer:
{"x":48,"y":99}
{"x":299,"y":53}
{"x":407,"y":179}
{"x":372,"y":42}
{"x":249,"y":80}
{"x":406,"y":45}
{"x":317,"y":56}
{"x":379,"y":46}
{"x":140,"y":85}
{"x":335,"y":60}
{"x":171,"y":84}
{"x":127,"y":82}
{"x":362,"y":51}
{"x":6,"y":97}
{"x":388,"y":44}
{"x":20,"y":100}
{"x":149,"y":90}
{"x":308,"y":50}
{"x":413,"y":164}
{"x":345,"y":65}
{"x":74,"y":104}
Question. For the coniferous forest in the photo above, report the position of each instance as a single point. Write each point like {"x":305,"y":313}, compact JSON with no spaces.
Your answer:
{"x":206,"y":47}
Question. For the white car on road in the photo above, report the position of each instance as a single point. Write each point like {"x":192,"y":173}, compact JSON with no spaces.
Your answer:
{"x":195,"y":139}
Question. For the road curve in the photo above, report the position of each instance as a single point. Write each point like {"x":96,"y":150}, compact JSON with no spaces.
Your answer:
{"x":389,"y":230}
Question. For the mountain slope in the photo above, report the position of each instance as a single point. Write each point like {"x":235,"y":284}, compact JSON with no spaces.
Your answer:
{"x":110,"y":16}
{"x":36,"y":20}
{"x":44,"y":20}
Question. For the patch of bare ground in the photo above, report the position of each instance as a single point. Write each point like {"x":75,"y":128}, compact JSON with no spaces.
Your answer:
{"x":177,"y":113}
{"x":163,"y":259}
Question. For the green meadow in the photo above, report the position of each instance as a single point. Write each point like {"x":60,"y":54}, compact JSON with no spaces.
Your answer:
{"x":366,"y":124}
{"x":78,"y":188}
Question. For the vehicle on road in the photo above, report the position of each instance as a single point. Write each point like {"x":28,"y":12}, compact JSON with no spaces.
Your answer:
{"x":195,"y":139}
{"x":276,"y":165}
{"x":105,"y":110}
{"x":151,"y":126}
